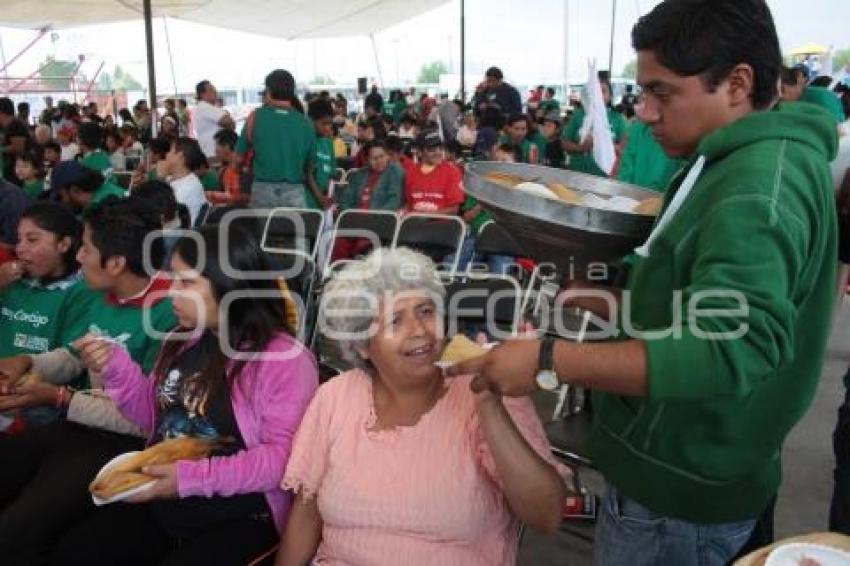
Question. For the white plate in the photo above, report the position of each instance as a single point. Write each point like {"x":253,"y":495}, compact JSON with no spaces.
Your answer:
{"x":793,"y":553}
{"x":124,"y":494}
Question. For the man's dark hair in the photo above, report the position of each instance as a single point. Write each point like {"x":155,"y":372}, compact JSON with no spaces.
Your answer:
{"x":514,"y":118}
{"x":160,"y":146}
{"x":227,"y":138}
{"x":550,"y":90}
{"x":710,"y":37}
{"x":160,"y":195}
{"x":191,"y":150}
{"x":494,"y":73}
{"x":90,"y":134}
{"x":23,"y":107}
{"x":280,"y":85}
{"x":201,"y":88}
{"x":320,"y":108}
{"x":394,"y":143}
{"x":7,"y":107}
{"x":118,"y":229}
{"x":822,"y":81}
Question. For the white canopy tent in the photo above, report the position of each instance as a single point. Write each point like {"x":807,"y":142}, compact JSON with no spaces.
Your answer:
{"x":289,"y":19}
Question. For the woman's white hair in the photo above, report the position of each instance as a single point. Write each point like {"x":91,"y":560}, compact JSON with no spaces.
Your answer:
{"x":352,"y":298}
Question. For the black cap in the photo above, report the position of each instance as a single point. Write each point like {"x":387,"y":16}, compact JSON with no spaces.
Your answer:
{"x":429,"y":139}
{"x":67,"y":173}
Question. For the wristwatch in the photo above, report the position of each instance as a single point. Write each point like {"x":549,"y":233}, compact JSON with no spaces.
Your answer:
{"x":547,"y":379}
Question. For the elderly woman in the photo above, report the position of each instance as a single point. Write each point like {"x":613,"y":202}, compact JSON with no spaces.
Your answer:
{"x":393,"y":463}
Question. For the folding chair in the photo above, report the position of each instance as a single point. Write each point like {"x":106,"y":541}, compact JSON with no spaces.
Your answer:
{"x":299,"y":271}
{"x":380,"y":226}
{"x":293,"y":230}
{"x":434,"y":235}
{"x":482,"y":302}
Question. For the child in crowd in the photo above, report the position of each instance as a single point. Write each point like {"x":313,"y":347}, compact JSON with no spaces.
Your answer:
{"x":115,"y":148}
{"x":228,"y":508}
{"x":434,"y":186}
{"x":80,"y":187}
{"x":185,"y":157}
{"x":554,"y":155}
{"x":468,"y":131}
{"x":408,"y":127}
{"x":91,"y":137}
{"x":44,"y":482}
{"x":318,"y":196}
{"x":208,"y":176}
{"x":230,"y":177}
{"x":69,"y":149}
{"x":517,"y":135}
{"x":29,"y":168}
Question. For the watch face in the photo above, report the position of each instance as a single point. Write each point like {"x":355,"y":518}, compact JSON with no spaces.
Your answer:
{"x":547,"y":380}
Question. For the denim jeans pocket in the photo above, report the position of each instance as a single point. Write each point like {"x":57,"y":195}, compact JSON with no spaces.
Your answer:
{"x":720,"y":543}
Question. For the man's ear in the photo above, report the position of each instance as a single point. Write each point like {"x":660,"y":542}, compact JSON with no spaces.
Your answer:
{"x":740,"y":84}
{"x":115,"y":265}
{"x":64,"y":244}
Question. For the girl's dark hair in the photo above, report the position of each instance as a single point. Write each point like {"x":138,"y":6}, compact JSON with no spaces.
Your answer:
{"x":710,"y":37}
{"x":251,"y":322}
{"x":190,"y":149}
{"x":320,"y":108}
{"x":61,"y":221}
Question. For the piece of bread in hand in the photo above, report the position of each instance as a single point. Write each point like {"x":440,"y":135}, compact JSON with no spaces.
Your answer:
{"x":127,"y":474}
{"x":461,"y":349}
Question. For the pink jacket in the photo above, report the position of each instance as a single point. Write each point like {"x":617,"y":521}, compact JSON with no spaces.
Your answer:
{"x":269,"y":399}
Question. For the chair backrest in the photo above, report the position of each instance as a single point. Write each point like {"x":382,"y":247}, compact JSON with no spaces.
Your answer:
{"x":382,"y":223}
{"x":299,"y":272}
{"x":293,"y":230}
{"x":493,"y":239}
{"x":436,"y":236}
{"x":203,"y":213}
{"x":488,"y":302}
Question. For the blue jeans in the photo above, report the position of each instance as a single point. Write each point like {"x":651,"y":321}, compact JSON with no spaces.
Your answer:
{"x":274,"y":195}
{"x":628,"y":534}
{"x":496,"y":264}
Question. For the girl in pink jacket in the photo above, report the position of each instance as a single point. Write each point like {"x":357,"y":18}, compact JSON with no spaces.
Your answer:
{"x":239,"y":376}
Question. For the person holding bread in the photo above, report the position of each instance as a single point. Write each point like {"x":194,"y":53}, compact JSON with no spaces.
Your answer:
{"x":393,"y":463}
{"x":229,"y":381}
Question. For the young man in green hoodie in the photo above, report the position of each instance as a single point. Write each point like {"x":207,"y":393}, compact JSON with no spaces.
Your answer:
{"x":725,"y":317}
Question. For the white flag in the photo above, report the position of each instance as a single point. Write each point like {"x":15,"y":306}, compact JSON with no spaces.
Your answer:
{"x":603,"y":144}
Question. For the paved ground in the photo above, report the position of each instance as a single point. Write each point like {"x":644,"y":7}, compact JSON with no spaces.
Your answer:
{"x":803,"y":503}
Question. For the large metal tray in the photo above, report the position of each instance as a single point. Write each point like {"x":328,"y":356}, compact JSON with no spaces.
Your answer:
{"x":568,"y":236}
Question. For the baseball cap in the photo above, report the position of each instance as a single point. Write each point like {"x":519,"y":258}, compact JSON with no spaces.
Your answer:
{"x":430,"y":139}
{"x":66,"y":174}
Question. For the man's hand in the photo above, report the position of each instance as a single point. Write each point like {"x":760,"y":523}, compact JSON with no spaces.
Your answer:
{"x":95,"y":352}
{"x":165,"y":486}
{"x":32,"y":394}
{"x":508,"y":369}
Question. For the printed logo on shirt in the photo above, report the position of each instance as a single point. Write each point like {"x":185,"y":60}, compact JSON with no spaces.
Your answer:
{"x":33,"y":343}
{"x":36,"y":319}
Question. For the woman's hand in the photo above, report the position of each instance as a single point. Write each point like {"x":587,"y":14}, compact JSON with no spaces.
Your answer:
{"x":32,"y":394}
{"x":10,"y":272}
{"x":165,"y":486}
{"x":95,"y":352}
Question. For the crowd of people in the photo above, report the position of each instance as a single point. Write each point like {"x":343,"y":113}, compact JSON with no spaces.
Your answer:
{"x":116,"y":335}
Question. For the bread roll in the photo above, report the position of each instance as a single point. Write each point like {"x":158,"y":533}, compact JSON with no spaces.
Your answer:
{"x":461,"y":349}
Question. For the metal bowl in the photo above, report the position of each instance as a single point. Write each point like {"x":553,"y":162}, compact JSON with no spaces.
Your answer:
{"x":554,"y":231}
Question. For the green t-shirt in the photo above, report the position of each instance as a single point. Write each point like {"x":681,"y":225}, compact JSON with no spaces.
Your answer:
{"x":210,"y":181}
{"x":126,"y":325}
{"x":644,"y":163}
{"x":551,"y":106}
{"x":824,"y":98}
{"x":284,"y":142}
{"x":539,"y":140}
{"x":99,"y":161}
{"x":33,"y":188}
{"x":480,"y":219}
{"x":325,"y":161}
{"x":36,"y":318}
{"x":583,"y":162}
{"x":107,"y":190}
{"x":523,"y":150}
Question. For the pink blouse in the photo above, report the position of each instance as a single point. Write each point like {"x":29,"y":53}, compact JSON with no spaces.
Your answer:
{"x":420,"y":495}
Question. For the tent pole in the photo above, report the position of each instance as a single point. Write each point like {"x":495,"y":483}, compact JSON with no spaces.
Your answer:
{"x":565,"y":97}
{"x":463,"y":51}
{"x":170,"y":56}
{"x":377,"y":60}
{"x":611,"y":49}
{"x":151,"y":70}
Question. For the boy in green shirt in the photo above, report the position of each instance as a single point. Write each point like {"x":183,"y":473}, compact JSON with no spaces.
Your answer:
{"x":91,"y":139}
{"x":517,"y":136}
{"x":725,"y":317}
{"x":80,"y":187}
{"x":284,"y":144}
{"x":321,"y":111}
{"x":580,"y":151}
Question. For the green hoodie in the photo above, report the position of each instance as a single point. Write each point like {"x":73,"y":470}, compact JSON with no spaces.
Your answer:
{"x":704,"y":446}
